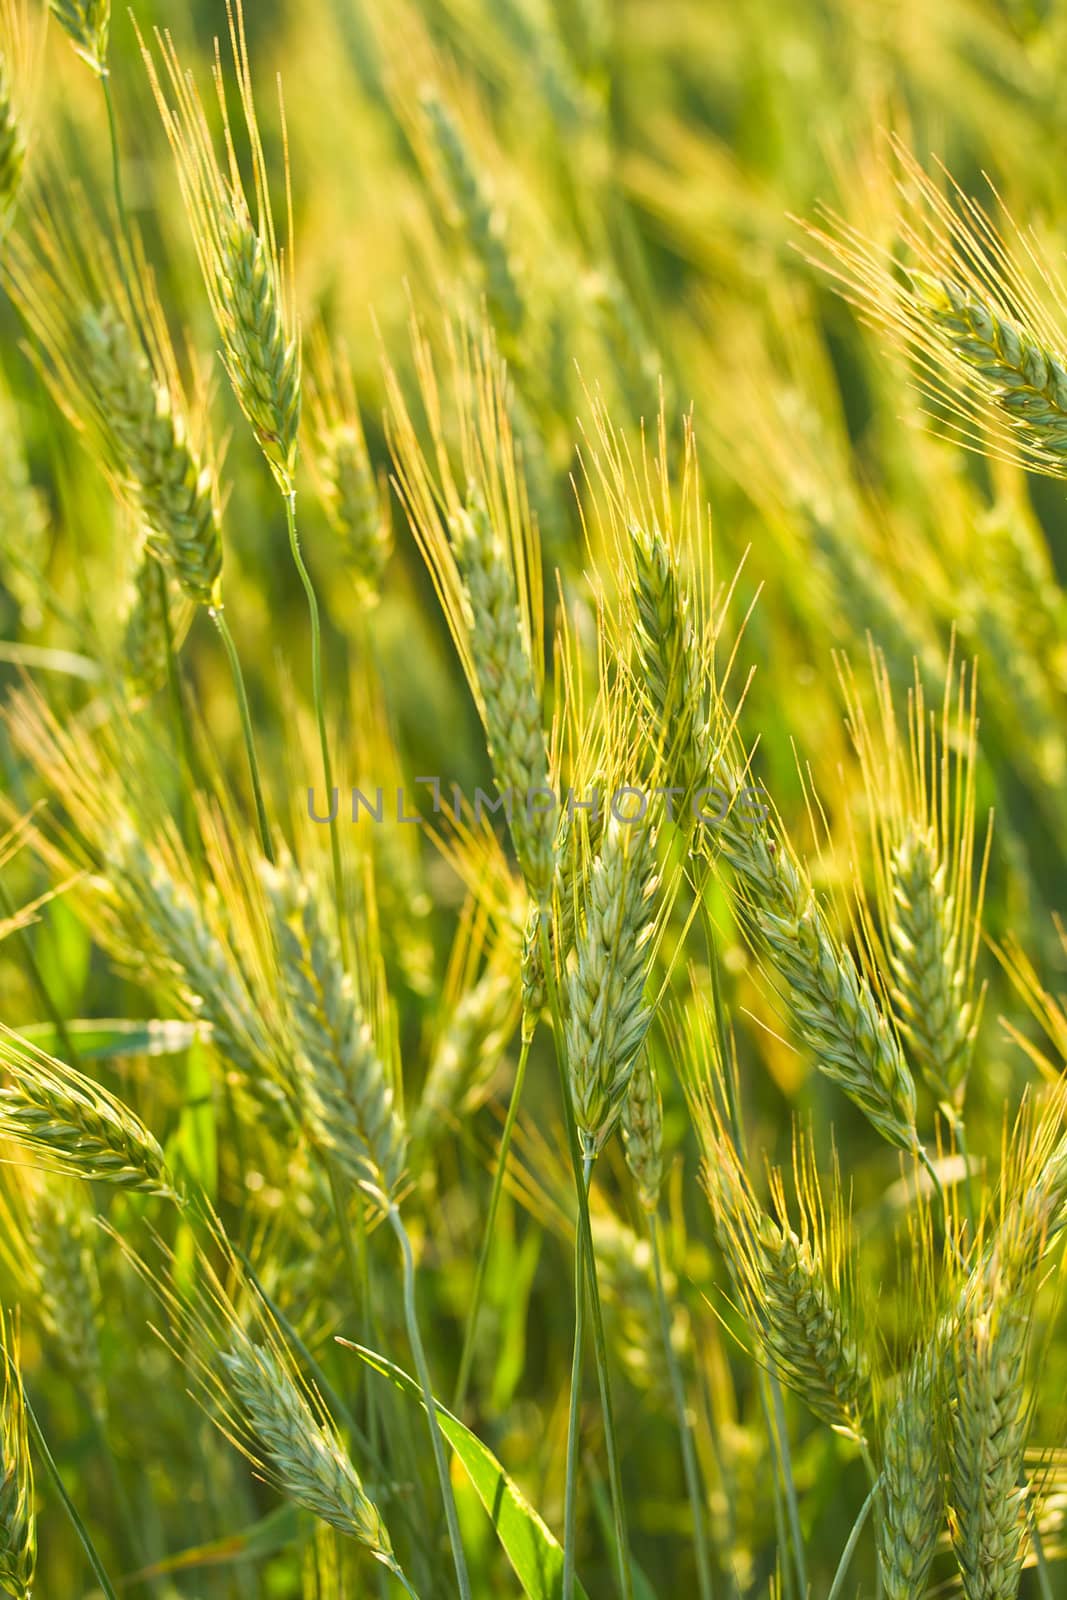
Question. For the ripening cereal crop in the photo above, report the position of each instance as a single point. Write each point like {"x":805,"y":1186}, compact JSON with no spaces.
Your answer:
{"x":533,"y":815}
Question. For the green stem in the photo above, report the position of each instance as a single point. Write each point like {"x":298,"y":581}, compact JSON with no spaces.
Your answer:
{"x":182,"y":731}
{"x":586,"y":1235}
{"x":216,"y":614}
{"x":774,"y":1416}
{"x":135,"y":1550}
{"x":570,"y":1495}
{"x":685,"y":1432}
{"x":423,"y":1371}
{"x":320,"y":718}
{"x":960,"y":1135}
{"x":792,"y":1504}
{"x":68,"y":1504}
{"x":780,"y":1531}
{"x":1044,"y":1580}
{"x":837,"y":1587}
{"x":942,"y":1197}
{"x":126,"y":254}
{"x":471,"y":1329}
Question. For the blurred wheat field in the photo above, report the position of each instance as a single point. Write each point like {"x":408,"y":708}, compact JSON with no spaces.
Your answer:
{"x":533,"y":720}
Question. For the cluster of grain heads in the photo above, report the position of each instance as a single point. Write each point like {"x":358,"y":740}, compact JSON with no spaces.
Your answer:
{"x":339,"y":1081}
{"x":911,"y":1506}
{"x":74,"y":1125}
{"x":87,"y":24}
{"x":605,"y":1013}
{"x":251,"y":295}
{"x":18,"y":1523}
{"x":352,"y":497}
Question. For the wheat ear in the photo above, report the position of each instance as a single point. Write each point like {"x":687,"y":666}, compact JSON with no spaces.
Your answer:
{"x":18,"y":1524}
{"x":606,"y":1017}
{"x":789,"y":1284}
{"x":157,"y":606}
{"x":931,"y":983}
{"x":511,"y":705}
{"x":250,"y":294}
{"x":339,"y":1081}
{"x":351,"y":496}
{"x":305,"y":1455}
{"x":642,"y":1132}
{"x":171,"y":486}
{"x":912,"y":1498}
{"x":831,"y":1000}
{"x":669,"y":670}
{"x":1027,"y":379}
{"x":481,"y":220}
{"x":73,"y":1124}
{"x":989,"y":1422}
{"x":87,"y":24}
